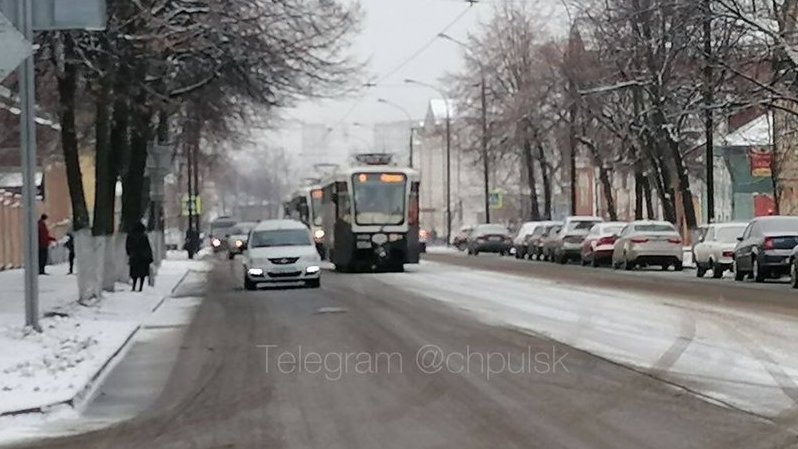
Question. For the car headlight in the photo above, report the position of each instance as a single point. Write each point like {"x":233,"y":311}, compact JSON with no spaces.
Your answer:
{"x":319,"y":234}
{"x":255,"y":271}
{"x":312,"y":269}
{"x":216,"y":243}
{"x":239,"y":243}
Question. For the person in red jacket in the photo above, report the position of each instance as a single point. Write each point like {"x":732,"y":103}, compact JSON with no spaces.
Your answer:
{"x":45,"y":239}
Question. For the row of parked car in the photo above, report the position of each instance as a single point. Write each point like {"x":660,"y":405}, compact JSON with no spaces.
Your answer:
{"x":765,"y":247}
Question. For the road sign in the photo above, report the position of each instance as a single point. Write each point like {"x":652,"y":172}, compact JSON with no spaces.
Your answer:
{"x":61,"y":14}
{"x":15,"y":47}
{"x":191,"y":206}
{"x":496,"y":199}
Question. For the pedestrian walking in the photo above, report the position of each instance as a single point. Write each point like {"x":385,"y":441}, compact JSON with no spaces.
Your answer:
{"x":139,"y":253}
{"x":70,"y":246}
{"x":45,"y":239}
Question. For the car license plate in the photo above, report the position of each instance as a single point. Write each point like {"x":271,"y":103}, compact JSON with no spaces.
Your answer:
{"x":284,"y":269}
{"x":495,"y":239}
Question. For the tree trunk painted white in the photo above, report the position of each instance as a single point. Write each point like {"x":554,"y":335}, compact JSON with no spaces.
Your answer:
{"x":87,"y":250}
{"x":110,"y":266}
{"x":122,"y":267}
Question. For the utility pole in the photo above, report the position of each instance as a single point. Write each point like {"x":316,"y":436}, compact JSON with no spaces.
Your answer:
{"x":573,"y":111}
{"x":412,"y":133}
{"x":448,"y":172}
{"x":485,"y":163}
{"x":709,"y":124}
{"x":27,"y":144}
{"x":572,"y":153}
{"x":483,"y":95}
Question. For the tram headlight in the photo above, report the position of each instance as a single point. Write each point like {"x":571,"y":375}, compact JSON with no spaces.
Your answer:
{"x":394,"y":237}
{"x":379,"y":239}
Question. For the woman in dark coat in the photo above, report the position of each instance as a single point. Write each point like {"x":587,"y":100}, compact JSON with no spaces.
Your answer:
{"x":139,"y":253}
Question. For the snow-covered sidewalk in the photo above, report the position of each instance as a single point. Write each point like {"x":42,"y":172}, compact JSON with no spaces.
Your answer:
{"x":57,"y":366}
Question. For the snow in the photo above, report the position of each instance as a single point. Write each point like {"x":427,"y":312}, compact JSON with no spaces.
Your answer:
{"x":39,"y":370}
{"x":739,"y":356}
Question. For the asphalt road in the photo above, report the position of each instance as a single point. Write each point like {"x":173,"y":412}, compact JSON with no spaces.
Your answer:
{"x":775,"y":295}
{"x":234,"y":386}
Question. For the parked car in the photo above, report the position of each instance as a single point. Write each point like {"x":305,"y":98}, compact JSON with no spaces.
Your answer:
{"x":794,"y":267}
{"x":534,"y":242}
{"x":520,"y":239}
{"x":765,"y":249}
{"x":567,"y":245}
{"x":715,"y":248}
{"x":489,"y":238}
{"x":237,"y":240}
{"x":281,"y":252}
{"x":646,"y":243}
{"x":599,"y":243}
{"x":460,"y":240}
{"x":549,"y":241}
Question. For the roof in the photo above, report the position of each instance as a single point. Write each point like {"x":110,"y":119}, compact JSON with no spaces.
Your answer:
{"x":272,"y":225}
{"x":12,"y":179}
{"x":757,"y":132}
{"x":436,"y":112}
{"x":345,"y":174}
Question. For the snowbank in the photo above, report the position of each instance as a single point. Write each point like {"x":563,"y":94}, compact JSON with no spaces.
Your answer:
{"x":42,"y":370}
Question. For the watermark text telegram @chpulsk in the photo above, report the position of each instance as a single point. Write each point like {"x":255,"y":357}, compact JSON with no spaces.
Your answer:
{"x":428,"y":359}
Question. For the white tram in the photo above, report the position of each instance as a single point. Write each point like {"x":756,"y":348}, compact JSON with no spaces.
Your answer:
{"x":370,"y":216}
{"x":305,"y":205}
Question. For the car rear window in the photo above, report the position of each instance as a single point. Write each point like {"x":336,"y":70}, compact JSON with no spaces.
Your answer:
{"x":655,"y":228}
{"x":482,"y":230}
{"x":611,"y":229}
{"x":729,"y":234}
{"x":782,"y":224}
{"x":280,"y":237}
{"x":581,"y":225}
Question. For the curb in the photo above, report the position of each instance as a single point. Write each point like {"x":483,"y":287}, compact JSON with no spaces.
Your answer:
{"x":86,"y":391}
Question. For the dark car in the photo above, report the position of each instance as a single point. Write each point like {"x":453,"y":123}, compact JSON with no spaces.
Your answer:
{"x":537,"y":238}
{"x":766,"y":248}
{"x":490,"y":238}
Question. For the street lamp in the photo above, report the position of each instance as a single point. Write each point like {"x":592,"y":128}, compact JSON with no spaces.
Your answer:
{"x":409,"y":119}
{"x":484,"y":101}
{"x":448,"y":155}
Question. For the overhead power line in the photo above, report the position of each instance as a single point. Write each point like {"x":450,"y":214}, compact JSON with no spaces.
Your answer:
{"x":409,"y":59}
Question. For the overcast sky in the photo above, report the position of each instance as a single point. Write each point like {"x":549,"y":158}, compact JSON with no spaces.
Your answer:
{"x":394,"y":30}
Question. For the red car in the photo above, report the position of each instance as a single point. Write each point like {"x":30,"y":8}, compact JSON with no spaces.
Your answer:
{"x":597,"y":247}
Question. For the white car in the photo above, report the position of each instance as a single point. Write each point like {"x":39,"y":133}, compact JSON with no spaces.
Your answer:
{"x":646,"y":243}
{"x":715,"y":250}
{"x":281,"y":252}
